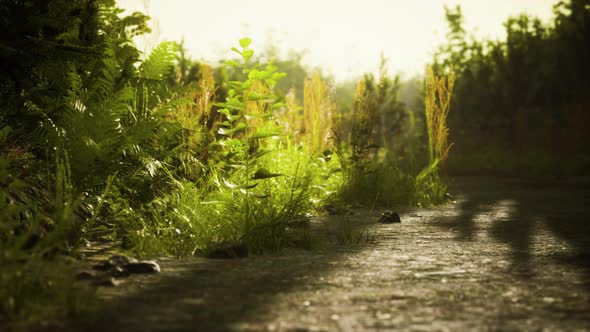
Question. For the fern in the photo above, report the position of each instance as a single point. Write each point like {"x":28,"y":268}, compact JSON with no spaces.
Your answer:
{"x":160,"y":61}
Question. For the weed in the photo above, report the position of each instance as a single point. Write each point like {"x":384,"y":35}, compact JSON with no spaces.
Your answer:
{"x":343,"y":231}
{"x":317,"y":113}
{"x":437,"y":102}
{"x":430,"y":188}
{"x":35,"y":290}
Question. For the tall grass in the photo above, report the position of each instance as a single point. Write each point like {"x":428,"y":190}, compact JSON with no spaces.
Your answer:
{"x":369,"y":178}
{"x":317,"y":113}
{"x":438,"y":92}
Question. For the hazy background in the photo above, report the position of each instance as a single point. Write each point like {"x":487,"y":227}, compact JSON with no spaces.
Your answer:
{"x":344,"y":37}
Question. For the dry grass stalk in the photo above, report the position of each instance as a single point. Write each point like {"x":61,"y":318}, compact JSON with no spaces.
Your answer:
{"x":437,"y":100}
{"x":317,"y":113}
{"x":364,"y":119}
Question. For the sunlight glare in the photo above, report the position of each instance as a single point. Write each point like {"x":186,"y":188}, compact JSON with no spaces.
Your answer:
{"x":343,"y":37}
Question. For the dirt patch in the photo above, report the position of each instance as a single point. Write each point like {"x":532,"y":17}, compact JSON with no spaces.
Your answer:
{"x":509,"y":254}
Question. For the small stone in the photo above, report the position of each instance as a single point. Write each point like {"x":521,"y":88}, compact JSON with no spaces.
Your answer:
{"x":302,"y":221}
{"x":383,"y":316}
{"x":303,"y":329}
{"x":143,"y":267}
{"x":112,"y":262}
{"x":85,"y":275}
{"x":102,"y":266}
{"x":121,"y":260}
{"x":228,"y":250}
{"x":331,"y":209}
{"x":119,"y":272}
{"x":389,"y":217}
{"x":109,"y":282}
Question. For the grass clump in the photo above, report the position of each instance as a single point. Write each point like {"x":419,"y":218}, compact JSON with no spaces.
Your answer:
{"x":33,"y":289}
{"x":373,"y":174}
{"x":438,"y":92}
{"x":344,"y":231}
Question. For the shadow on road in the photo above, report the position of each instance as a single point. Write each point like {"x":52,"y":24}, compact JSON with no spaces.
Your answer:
{"x":514,"y":210}
{"x":215,"y":295}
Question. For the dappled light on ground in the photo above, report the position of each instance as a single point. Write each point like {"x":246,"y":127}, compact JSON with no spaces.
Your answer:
{"x":492,"y":260}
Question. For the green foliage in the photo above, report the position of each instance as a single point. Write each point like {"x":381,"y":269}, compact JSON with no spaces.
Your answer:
{"x":524,"y":93}
{"x":240,"y":198}
{"x":385,"y":174}
{"x":160,"y":61}
{"x":382,"y":184}
{"x":85,"y":115}
{"x":167,"y":156}
{"x":40,"y":291}
{"x":347,"y":232}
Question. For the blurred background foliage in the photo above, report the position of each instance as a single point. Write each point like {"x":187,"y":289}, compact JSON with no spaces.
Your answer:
{"x":521,"y":105}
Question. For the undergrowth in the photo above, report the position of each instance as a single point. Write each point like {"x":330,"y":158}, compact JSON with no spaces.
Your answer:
{"x":127,"y":149}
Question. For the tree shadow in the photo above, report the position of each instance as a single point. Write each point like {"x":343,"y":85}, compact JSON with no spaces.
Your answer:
{"x":214,"y":294}
{"x":514,"y":209}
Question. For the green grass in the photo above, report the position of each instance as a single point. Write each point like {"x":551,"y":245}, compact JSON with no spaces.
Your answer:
{"x":33,"y":289}
{"x":343,"y":231}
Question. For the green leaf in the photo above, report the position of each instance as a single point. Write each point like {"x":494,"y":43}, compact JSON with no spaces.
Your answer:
{"x":264,"y":133}
{"x":226,"y":131}
{"x":232,"y":143}
{"x":4,"y":132}
{"x":258,"y":116}
{"x":261,"y":153}
{"x":247,"y":54}
{"x":259,"y":74}
{"x":236,"y":50}
{"x":263,"y":173}
{"x":233,"y":103}
{"x":253,"y":96}
{"x":237,"y":186}
{"x":235,"y":84}
{"x":271,"y":68}
{"x":278,"y":76}
{"x":231,"y":63}
{"x":229,"y":115}
{"x":246,"y":85}
{"x":245,"y":42}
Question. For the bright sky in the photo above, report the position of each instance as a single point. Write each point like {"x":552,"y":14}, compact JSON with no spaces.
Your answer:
{"x":345,"y":37}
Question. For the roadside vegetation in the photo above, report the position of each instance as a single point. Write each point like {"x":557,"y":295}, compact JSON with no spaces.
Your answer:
{"x":521,"y":103}
{"x":166,"y":156}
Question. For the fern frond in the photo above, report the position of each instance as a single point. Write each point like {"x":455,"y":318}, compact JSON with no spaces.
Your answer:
{"x":159,"y":62}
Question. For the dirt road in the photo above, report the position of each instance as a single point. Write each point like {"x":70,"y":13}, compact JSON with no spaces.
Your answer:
{"x":509,"y":254}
